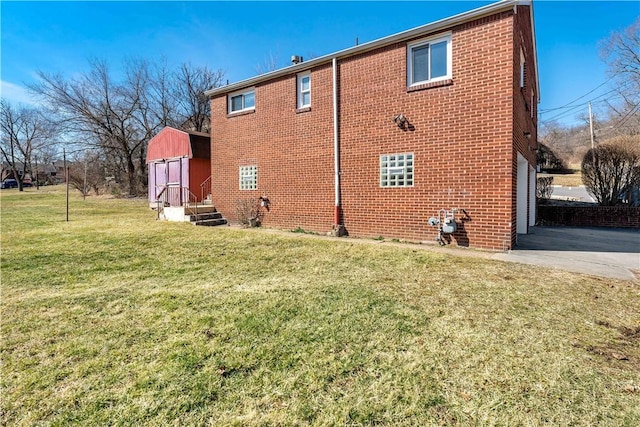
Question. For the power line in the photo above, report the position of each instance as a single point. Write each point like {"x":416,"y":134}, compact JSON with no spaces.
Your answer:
{"x":579,"y":98}
{"x":581,"y":104}
{"x":572,"y":109}
{"x":622,"y":121}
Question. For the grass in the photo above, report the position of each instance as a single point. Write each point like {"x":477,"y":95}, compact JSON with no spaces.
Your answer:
{"x":114,"y":318}
{"x":573,"y":179}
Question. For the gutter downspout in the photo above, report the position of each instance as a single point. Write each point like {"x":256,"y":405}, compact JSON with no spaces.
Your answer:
{"x":336,"y":146}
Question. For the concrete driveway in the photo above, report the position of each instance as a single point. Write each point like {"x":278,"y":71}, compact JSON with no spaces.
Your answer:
{"x":607,"y":252}
{"x":579,"y":193}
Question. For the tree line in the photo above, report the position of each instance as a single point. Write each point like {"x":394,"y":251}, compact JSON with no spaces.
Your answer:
{"x":105,"y":119}
{"x":610,"y":165}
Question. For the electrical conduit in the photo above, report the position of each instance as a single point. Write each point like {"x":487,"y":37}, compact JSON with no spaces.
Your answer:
{"x":336,"y":145}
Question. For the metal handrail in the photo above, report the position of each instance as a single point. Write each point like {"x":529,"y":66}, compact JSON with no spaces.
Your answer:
{"x":170,"y":193}
{"x":159,"y":200}
{"x":205,"y":188}
{"x":189,"y":195}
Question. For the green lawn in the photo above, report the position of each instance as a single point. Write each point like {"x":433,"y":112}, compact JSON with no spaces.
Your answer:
{"x":114,"y":318}
{"x":573,"y":179}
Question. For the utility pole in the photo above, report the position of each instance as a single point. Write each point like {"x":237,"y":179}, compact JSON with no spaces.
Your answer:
{"x":84,"y":185}
{"x":37,"y":185}
{"x":591,"y":126}
{"x":66,"y":177}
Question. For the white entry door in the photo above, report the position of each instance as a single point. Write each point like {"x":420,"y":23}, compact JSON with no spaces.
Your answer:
{"x":522,"y":198}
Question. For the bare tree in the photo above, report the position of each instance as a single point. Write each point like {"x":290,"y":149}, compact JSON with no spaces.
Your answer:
{"x":86,"y":173}
{"x":624,"y":120}
{"x":270,"y":64}
{"x":548,"y":160}
{"x":193,"y":108}
{"x":23,"y":131}
{"x":568,"y":144}
{"x":621,"y":52}
{"x":119,"y":117}
{"x":631,"y":144}
{"x":44,"y":163}
{"x":544,"y":189}
{"x":103,"y":114}
{"x":610,"y":170}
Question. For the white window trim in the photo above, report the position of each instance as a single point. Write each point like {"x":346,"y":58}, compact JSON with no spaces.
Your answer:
{"x":242,"y":92}
{"x":248,"y":177}
{"x":301,"y":92}
{"x":391,"y":171}
{"x":431,"y":40}
{"x":522,"y":69}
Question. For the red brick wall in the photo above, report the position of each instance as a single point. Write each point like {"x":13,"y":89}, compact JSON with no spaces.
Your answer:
{"x":462,"y":143}
{"x":293,"y":151}
{"x":524,"y":107}
{"x":590,"y":216}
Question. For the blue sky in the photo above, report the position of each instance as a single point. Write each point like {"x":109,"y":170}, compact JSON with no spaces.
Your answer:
{"x":239,"y":36}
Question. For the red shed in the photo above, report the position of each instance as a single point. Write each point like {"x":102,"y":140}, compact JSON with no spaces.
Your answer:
{"x":179,"y":161}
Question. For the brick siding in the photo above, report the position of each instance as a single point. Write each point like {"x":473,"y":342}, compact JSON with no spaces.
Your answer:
{"x":462,"y":138}
{"x":590,"y":216}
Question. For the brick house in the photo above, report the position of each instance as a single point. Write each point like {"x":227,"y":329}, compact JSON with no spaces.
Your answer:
{"x":379,"y":137}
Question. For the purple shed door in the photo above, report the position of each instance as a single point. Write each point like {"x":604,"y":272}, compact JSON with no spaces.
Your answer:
{"x":160,"y":172}
{"x":174,"y":181}
{"x":174,"y":172}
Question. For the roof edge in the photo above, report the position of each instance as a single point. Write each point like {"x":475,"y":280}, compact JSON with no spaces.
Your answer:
{"x":196,"y":133}
{"x":535,"y":47}
{"x":441,"y":24}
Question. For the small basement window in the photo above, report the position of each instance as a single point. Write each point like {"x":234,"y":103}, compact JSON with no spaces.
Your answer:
{"x":248,"y":177}
{"x":242,"y":101}
{"x":396,"y":170}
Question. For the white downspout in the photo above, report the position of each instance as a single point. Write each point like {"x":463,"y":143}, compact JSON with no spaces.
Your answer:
{"x":336,"y":145}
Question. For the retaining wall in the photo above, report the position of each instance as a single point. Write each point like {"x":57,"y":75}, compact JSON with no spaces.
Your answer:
{"x":590,"y":216}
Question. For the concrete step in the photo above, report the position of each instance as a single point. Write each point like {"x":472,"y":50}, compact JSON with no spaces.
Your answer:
{"x":204,"y":216}
{"x":210,"y":222}
{"x":202,"y":209}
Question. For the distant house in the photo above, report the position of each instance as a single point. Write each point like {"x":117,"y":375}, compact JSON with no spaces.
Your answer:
{"x":378,"y":138}
{"x":48,"y":173}
{"x":179,"y":167}
{"x":6,"y":172}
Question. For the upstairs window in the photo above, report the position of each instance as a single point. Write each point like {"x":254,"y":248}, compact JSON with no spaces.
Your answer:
{"x":429,"y":60}
{"x":304,"y":90}
{"x":396,"y":170}
{"x":242,"y":101}
{"x":248,"y":177}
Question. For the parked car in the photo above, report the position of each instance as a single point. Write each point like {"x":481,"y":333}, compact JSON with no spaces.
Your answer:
{"x":27,"y":183}
{"x":9,"y":183}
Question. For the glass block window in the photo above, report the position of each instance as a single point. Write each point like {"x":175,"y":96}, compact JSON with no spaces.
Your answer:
{"x":396,"y":170}
{"x":248,"y":177}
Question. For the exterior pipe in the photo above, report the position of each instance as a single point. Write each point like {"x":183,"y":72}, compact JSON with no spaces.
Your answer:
{"x":336,"y":144}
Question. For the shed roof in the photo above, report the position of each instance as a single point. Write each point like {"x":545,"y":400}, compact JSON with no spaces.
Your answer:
{"x":442,"y":24}
{"x":170,"y":143}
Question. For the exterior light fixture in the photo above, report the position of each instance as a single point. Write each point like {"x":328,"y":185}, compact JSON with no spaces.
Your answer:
{"x":527,"y":134}
{"x":400,"y":120}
